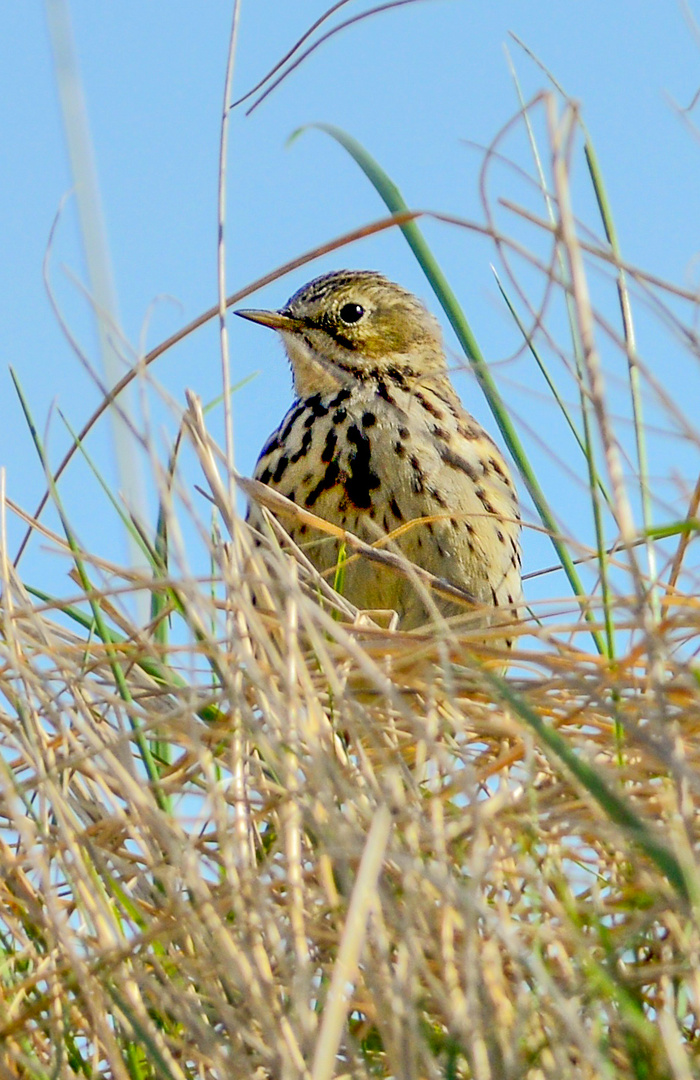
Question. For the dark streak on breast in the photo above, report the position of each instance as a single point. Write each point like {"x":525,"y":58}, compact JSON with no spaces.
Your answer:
{"x":383,"y":392}
{"x":304,"y":448}
{"x":293,"y":417}
{"x":418,"y":476}
{"x":456,"y":461}
{"x":327,"y":481}
{"x":281,"y":465}
{"x":329,"y":446}
{"x":429,"y":406}
{"x":361,"y":479}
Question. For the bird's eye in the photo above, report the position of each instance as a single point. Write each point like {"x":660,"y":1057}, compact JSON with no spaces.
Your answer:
{"x":351,"y":313}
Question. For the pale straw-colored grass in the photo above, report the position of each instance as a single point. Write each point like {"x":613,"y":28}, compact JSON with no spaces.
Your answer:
{"x":367,"y":852}
{"x":273,"y":839}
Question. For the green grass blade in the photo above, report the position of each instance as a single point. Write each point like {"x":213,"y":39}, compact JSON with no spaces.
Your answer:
{"x":586,"y":443}
{"x":632,"y":366}
{"x":165,"y":676}
{"x":607,"y":219}
{"x":91,"y":596}
{"x":551,"y":385}
{"x":394,"y":200}
{"x":615,"y":807}
{"x":116,"y":506}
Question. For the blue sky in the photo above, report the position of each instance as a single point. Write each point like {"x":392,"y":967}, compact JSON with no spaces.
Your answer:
{"x":416,"y":86}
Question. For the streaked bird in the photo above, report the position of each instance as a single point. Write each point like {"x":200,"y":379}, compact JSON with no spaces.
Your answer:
{"x":378,"y":442}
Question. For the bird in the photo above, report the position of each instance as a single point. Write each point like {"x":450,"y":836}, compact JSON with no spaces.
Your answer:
{"x":378,"y":443}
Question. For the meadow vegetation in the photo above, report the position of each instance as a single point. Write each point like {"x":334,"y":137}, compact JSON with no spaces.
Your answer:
{"x":282,"y":840}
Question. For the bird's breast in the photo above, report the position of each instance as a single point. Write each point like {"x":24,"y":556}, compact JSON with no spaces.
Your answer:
{"x":383,"y":460}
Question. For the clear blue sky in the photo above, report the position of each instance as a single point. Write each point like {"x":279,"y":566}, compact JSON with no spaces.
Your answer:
{"x":414,"y":85}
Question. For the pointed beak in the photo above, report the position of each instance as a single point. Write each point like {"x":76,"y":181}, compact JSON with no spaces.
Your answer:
{"x":274,"y":319}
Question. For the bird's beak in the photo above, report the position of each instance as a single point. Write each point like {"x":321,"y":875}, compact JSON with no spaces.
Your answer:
{"x":274,"y":319}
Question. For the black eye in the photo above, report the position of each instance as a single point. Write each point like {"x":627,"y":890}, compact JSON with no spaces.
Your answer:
{"x":351,"y":313}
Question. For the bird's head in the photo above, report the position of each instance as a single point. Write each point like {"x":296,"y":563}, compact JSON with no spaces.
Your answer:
{"x":355,"y":324}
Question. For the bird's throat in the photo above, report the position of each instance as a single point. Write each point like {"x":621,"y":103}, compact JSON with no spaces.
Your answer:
{"x":313,"y":373}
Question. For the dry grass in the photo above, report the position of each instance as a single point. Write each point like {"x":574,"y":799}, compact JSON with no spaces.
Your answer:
{"x":359,"y":858}
{"x":271,"y":840}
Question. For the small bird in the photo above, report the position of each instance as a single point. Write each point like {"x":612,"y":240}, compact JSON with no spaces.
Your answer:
{"x":377,"y":442}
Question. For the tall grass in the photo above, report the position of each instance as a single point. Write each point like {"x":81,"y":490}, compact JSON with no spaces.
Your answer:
{"x":280,"y":840}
